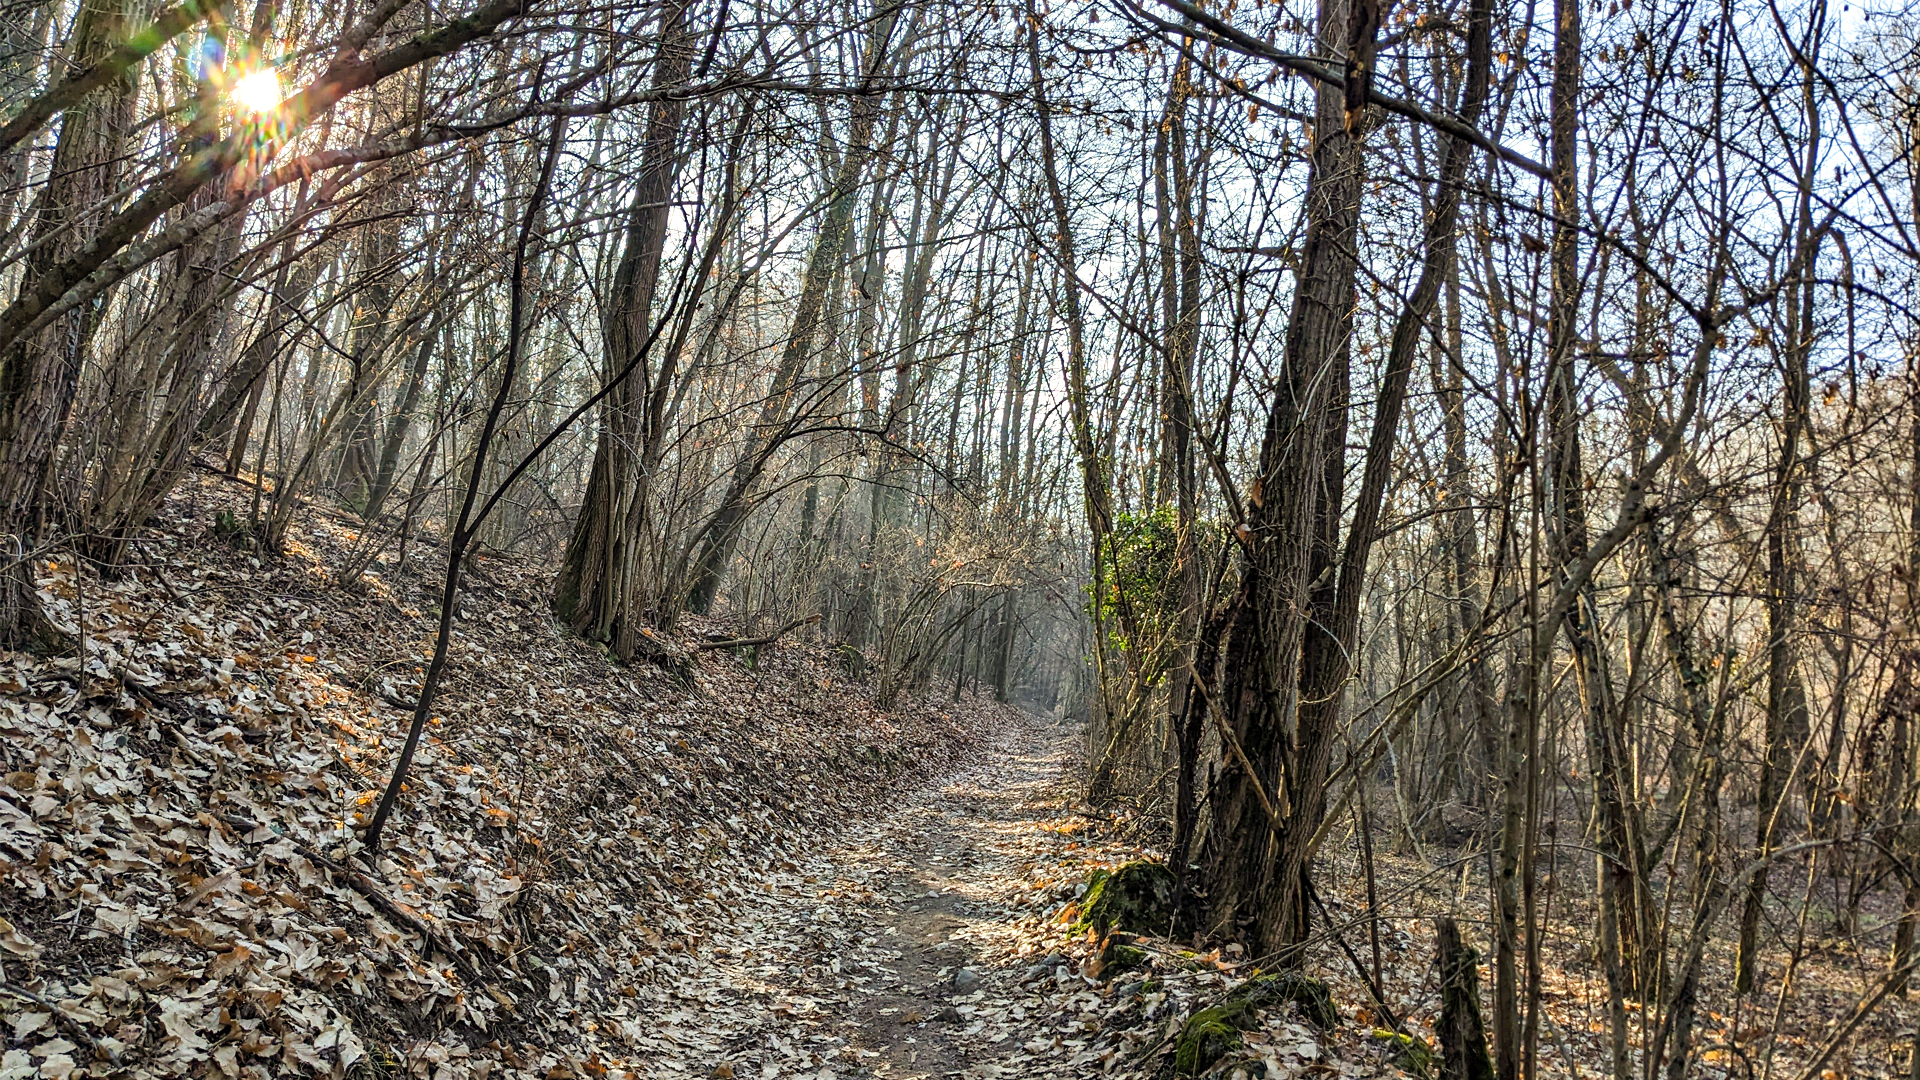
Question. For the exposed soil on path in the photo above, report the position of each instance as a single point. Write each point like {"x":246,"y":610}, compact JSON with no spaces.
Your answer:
{"x":930,"y":940}
{"x":898,"y":952}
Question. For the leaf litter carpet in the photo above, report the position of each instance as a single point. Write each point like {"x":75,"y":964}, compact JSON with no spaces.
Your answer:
{"x":895,"y":951}
{"x":597,"y":871}
{"x":182,"y":891}
{"x":934,"y":942}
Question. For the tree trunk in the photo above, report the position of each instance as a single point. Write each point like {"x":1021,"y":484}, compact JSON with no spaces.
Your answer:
{"x":400,"y":425}
{"x":39,"y":373}
{"x":1707,"y":719}
{"x":1786,"y":717}
{"x":241,"y":392}
{"x":1270,"y":795}
{"x":1463,"y":1038}
{"x":372,"y":336}
{"x":23,"y":43}
{"x":1908,"y":839}
{"x":597,"y":591}
{"x":722,"y":531}
{"x":1180,"y":266}
{"x":154,"y":409}
{"x":1620,"y":885}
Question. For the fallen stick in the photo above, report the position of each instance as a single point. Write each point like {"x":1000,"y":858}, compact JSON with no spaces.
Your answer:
{"x":176,"y":705}
{"x":365,"y":886}
{"x":60,"y":1015}
{"x":741,"y":643}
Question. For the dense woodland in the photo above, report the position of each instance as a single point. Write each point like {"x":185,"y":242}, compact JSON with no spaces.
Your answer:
{"x":1495,"y":423}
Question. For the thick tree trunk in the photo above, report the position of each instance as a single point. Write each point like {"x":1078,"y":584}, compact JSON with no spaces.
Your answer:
{"x":1271,"y":792}
{"x":597,"y":591}
{"x":40,"y":373}
{"x":1336,"y":570}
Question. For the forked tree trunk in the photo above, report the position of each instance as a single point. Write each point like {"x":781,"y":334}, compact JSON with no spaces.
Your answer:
{"x":1335,"y":569}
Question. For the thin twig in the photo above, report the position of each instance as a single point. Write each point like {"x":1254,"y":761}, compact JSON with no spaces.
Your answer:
{"x":60,"y":1015}
{"x":366,"y":887}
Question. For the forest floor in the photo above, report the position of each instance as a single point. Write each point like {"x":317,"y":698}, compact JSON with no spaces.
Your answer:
{"x":181,"y":889}
{"x":751,"y":871}
{"x":872,"y":957}
{"x":934,"y":942}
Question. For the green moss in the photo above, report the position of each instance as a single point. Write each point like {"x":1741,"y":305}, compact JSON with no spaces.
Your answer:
{"x":1093,"y":894}
{"x":1137,"y":897}
{"x":1282,"y":987}
{"x":1213,"y":1033}
{"x":852,"y":661}
{"x":1409,"y":1053}
{"x":229,"y":529}
{"x":1210,"y":1035}
{"x":1116,"y":958}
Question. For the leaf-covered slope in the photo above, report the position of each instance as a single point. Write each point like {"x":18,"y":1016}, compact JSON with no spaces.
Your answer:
{"x":177,"y":880}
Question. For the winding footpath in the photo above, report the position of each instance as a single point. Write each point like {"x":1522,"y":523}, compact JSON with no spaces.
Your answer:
{"x":914,"y":946}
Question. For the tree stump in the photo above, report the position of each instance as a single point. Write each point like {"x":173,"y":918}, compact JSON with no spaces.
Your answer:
{"x":1463,"y":1036}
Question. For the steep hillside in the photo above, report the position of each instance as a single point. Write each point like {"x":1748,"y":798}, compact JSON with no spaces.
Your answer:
{"x":179,"y":878}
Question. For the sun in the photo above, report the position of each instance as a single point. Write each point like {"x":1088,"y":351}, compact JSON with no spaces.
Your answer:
{"x":258,"y":91}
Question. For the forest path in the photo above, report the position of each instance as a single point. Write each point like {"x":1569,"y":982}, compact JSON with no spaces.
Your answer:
{"x":896,"y":951}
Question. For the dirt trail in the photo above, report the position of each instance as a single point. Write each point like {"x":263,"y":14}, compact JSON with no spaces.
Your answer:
{"x":896,"y":952}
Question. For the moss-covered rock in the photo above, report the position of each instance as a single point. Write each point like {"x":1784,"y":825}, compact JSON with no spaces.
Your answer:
{"x":1410,"y":1054}
{"x":852,"y":661}
{"x":1304,"y":991}
{"x":1213,"y":1033}
{"x":1137,"y":896}
{"x":1119,"y":955}
{"x":1210,"y":1035}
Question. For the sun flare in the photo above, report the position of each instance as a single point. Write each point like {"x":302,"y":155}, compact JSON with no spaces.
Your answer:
{"x":258,"y":91}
